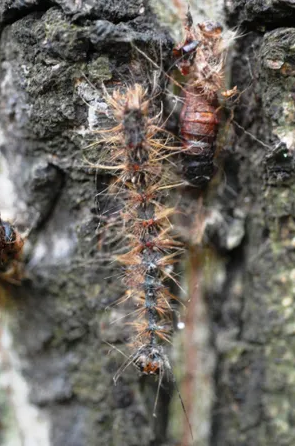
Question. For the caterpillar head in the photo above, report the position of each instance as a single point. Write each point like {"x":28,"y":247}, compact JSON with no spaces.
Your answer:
{"x":150,"y":360}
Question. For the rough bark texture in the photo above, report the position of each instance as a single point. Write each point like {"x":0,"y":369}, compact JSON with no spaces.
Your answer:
{"x":253,"y":315}
{"x":260,"y":14}
{"x":52,"y":53}
{"x":54,"y":357}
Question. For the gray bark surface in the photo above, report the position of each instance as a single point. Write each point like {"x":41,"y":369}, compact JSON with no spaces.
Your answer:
{"x":253,"y":316}
{"x":52,"y":54}
{"x":260,"y":14}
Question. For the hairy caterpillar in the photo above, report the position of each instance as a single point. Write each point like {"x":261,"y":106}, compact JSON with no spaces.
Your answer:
{"x":137,"y":153}
{"x":138,"y":150}
{"x":201,"y":59}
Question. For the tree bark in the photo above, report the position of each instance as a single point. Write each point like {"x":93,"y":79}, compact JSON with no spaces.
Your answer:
{"x":59,"y":372}
{"x":56,"y":361}
{"x":253,"y":316}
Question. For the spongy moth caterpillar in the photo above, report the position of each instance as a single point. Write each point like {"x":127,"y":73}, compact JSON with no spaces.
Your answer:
{"x":137,"y":153}
{"x":201,"y":59}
